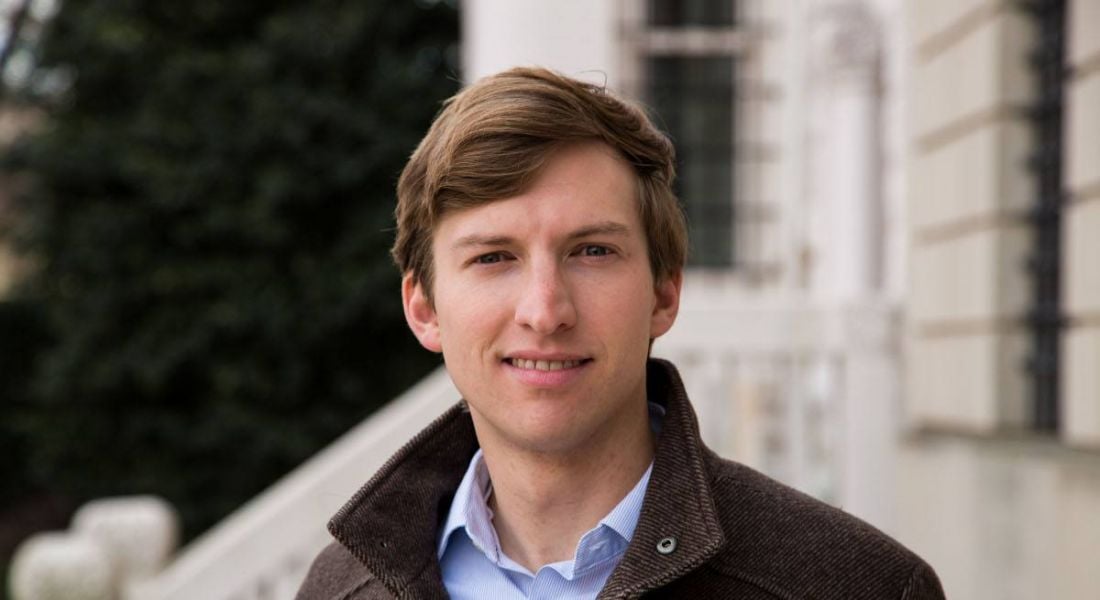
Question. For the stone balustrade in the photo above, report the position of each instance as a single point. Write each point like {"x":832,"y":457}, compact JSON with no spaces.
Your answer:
{"x":773,"y":383}
{"x":112,"y":542}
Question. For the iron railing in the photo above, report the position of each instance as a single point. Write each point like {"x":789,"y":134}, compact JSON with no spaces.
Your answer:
{"x":1045,"y":318}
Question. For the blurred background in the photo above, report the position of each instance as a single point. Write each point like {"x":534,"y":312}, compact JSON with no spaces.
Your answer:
{"x":890,"y":304}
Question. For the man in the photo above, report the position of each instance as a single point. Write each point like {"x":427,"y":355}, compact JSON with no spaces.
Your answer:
{"x":542,"y":250}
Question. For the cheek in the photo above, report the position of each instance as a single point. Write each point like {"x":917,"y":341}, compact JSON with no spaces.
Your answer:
{"x":468,"y":322}
{"x":622,"y":312}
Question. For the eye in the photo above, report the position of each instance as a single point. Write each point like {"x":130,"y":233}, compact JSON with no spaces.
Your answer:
{"x":594,"y":250}
{"x":491,"y":258}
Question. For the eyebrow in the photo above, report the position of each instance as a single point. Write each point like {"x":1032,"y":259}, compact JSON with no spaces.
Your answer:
{"x":602,"y":228}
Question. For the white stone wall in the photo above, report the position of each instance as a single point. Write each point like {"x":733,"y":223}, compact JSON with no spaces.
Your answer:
{"x":1003,"y":518}
{"x":769,"y":76}
{"x":1081,"y":396}
{"x":968,"y":192}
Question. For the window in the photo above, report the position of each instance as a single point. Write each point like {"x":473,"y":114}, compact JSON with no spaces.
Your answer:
{"x":682,"y":64}
{"x":693,"y":99}
{"x":678,"y":13}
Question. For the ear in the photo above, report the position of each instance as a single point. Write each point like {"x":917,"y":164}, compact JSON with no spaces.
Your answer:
{"x":667,"y":305}
{"x":420,"y":314}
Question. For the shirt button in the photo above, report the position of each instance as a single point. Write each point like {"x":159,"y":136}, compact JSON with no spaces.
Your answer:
{"x":666,"y":545}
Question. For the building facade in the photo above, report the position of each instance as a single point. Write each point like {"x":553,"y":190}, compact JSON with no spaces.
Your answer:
{"x":1002,"y":464}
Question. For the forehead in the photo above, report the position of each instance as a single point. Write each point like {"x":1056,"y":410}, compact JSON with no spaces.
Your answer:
{"x":580,"y":185}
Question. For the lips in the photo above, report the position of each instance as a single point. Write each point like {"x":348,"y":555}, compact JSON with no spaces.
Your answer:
{"x":547,"y":371}
{"x":544,"y":365}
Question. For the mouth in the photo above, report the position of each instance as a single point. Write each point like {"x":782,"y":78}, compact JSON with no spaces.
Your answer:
{"x":546,"y":365}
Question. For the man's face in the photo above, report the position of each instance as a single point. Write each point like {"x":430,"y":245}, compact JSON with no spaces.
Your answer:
{"x":544,"y":304}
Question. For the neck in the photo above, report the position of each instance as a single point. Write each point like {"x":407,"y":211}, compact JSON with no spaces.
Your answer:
{"x":544,"y":502}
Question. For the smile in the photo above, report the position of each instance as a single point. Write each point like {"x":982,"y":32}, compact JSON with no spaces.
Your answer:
{"x":554,"y":372}
{"x":544,"y":365}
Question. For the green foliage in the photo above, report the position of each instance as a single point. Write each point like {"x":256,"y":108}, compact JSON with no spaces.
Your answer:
{"x":22,"y":336}
{"x":209,"y":212}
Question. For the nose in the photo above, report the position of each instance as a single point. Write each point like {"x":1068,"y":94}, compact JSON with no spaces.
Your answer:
{"x":545,"y":305}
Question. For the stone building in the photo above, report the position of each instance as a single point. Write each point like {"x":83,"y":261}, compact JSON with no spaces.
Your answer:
{"x":1001,"y":469}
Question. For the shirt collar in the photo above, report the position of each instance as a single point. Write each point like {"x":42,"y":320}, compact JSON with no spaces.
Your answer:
{"x":470,"y":508}
{"x":624,"y":517}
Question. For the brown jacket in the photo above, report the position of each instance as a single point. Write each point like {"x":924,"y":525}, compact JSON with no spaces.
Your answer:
{"x":739,"y":534}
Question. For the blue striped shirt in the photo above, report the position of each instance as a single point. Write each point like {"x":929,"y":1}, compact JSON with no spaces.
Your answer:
{"x":474,"y":566}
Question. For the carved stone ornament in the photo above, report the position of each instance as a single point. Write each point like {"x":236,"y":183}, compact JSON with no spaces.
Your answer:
{"x":846,"y":41}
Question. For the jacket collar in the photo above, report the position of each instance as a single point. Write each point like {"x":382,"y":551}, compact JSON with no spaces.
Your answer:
{"x":391,"y":524}
{"x":678,"y":504}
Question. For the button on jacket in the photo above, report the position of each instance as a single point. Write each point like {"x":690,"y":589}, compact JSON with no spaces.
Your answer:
{"x":709,"y":528}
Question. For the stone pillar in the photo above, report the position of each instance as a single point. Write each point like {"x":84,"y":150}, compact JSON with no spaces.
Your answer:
{"x":139,"y":533}
{"x":576,"y":37}
{"x":62,"y":566}
{"x":847,"y":186}
{"x":846,"y":153}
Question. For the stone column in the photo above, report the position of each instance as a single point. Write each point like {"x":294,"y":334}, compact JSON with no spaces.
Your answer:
{"x":846,"y":153}
{"x":848,"y":226}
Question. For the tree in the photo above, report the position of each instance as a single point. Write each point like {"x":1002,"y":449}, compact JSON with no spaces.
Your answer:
{"x":208,"y":213}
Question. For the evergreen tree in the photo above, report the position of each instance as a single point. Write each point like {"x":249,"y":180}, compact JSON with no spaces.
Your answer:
{"x":208,"y":213}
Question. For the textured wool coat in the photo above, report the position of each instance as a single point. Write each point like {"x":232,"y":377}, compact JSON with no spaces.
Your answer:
{"x":737,"y":534}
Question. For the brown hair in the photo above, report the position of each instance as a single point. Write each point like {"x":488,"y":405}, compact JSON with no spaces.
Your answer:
{"x":490,"y":140}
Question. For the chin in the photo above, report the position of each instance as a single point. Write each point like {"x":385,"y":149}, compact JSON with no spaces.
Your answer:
{"x":550,"y":440}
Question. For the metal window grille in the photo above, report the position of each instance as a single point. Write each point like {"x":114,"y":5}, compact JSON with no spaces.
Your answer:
{"x":1045,"y":319}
